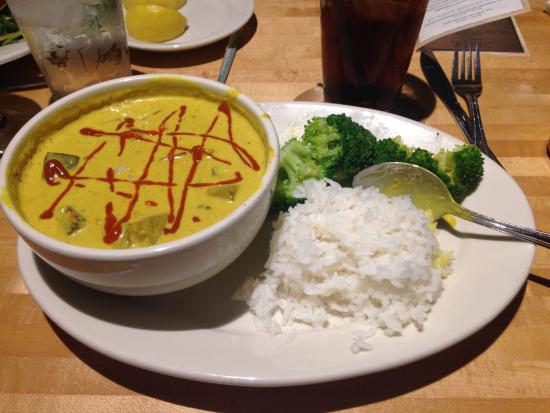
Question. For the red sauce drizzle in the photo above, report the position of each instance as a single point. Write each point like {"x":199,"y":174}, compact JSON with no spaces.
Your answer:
{"x":110,"y":179}
{"x":169,"y":192}
{"x":243,"y":154}
{"x":124,"y":194}
{"x":48,"y":213}
{"x":134,"y":134}
{"x":128,"y":122}
{"x":183,"y":109}
{"x":54,"y":171}
{"x":113,"y":227}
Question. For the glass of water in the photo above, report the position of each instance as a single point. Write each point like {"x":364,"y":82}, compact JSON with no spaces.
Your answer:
{"x":75,"y":43}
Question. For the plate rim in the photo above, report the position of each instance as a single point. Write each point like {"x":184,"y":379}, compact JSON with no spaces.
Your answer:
{"x":21,"y":50}
{"x":178,"y":47}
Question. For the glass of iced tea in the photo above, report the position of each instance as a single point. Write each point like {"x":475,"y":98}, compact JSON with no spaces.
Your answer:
{"x":366,"y":49}
{"x":75,"y":43}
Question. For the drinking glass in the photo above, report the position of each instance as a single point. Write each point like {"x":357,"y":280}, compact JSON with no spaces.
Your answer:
{"x":366,"y":49}
{"x":75,"y":43}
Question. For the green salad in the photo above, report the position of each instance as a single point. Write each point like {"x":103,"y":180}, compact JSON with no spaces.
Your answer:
{"x":9,"y":32}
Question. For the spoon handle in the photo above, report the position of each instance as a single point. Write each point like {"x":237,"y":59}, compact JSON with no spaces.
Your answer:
{"x":525,"y":234}
{"x":229,"y":56}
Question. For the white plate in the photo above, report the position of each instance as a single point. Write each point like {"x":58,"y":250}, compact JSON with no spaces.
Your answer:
{"x":208,"y":21}
{"x":13,"y":51}
{"x":202,"y":334}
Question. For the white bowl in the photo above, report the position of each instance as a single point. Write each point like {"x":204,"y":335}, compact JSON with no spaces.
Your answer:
{"x":164,"y":267}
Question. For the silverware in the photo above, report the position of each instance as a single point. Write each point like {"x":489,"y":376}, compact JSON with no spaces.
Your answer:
{"x":440,"y":84}
{"x":428,"y":192}
{"x":468,"y":85}
{"x":229,"y":56}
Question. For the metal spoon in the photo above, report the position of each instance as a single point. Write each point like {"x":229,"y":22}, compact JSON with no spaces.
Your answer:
{"x":229,"y":56}
{"x":428,"y":192}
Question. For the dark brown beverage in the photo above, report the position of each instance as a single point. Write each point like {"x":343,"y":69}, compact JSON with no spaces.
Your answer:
{"x":367,"y":47}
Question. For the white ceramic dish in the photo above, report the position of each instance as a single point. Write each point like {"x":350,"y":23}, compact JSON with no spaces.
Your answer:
{"x":163,"y":267}
{"x":208,"y":21}
{"x":202,"y":334}
{"x":13,"y":51}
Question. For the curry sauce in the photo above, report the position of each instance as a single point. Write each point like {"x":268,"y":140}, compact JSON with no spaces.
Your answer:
{"x":142,"y":169}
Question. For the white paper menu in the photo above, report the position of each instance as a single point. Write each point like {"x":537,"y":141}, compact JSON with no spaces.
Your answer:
{"x":444,"y":17}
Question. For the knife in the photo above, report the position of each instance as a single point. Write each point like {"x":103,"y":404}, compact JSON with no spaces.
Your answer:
{"x":439,"y":83}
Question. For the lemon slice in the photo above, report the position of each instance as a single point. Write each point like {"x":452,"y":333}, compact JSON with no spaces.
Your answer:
{"x":171,"y":4}
{"x":152,"y":23}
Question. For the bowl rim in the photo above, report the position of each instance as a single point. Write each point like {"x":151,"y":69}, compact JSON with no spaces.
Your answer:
{"x":51,"y":244}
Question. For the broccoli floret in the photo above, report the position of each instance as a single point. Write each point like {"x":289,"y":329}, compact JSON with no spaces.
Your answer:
{"x":468,"y":165}
{"x":390,"y":150}
{"x":358,"y":146}
{"x":464,"y":166}
{"x":325,"y":143}
{"x":296,"y":165}
{"x":427,"y":160}
{"x":338,"y":148}
{"x":423,"y":158}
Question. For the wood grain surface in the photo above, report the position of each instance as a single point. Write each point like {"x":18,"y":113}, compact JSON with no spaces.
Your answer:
{"x":505,"y":367}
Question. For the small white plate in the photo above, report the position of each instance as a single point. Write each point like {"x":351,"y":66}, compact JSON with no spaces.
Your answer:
{"x":13,"y":51}
{"x":208,"y":21}
{"x":202,"y":334}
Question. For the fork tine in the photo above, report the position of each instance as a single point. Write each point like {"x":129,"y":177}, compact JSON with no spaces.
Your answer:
{"x":454,"y":75}
{"x":477,"y":68}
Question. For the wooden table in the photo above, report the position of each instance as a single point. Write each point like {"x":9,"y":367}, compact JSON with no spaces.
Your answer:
{"x":503,"y":368}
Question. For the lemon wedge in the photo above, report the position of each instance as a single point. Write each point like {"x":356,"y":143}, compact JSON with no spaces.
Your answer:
{"x":153,"y":23}
{"x":171,"y":4}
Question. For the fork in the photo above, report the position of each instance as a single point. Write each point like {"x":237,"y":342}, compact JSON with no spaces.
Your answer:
{"x":468,"y":85}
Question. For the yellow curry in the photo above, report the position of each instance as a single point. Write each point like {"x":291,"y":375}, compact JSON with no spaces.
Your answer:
{"x":141,"y":167}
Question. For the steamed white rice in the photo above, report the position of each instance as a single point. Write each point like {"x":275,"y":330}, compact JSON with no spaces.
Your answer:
{"x":352,"y":255}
